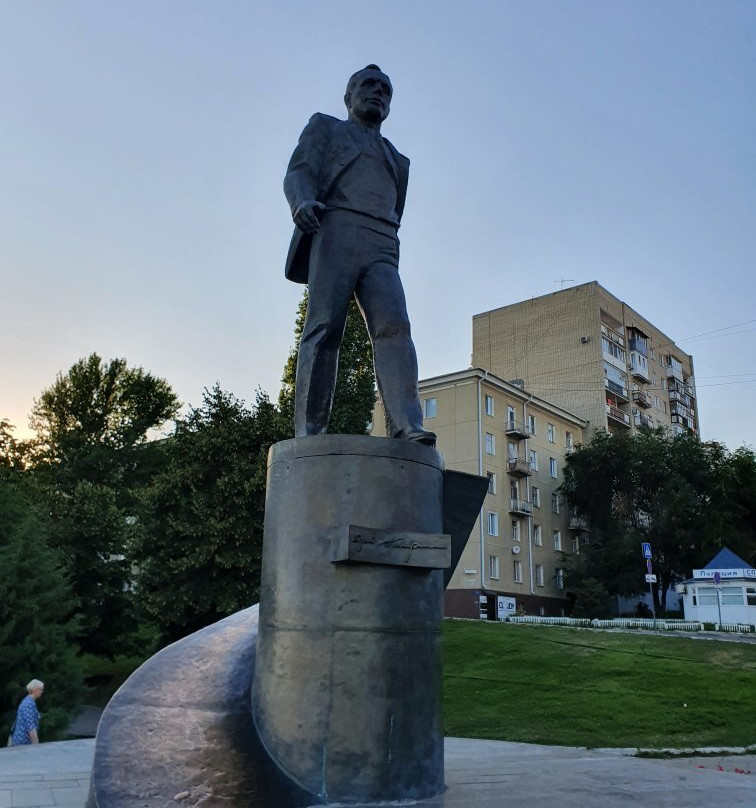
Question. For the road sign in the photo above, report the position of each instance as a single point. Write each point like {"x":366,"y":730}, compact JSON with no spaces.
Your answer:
{"x":649,"y":569}
{"x":646,"y":547}
{"x":651,"y":579}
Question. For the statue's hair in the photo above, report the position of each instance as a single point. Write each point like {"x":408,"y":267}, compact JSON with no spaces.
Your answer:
{"x":353,"y":77}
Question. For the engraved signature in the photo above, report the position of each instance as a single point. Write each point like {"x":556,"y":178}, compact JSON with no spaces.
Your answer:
{"x":399,"y":544}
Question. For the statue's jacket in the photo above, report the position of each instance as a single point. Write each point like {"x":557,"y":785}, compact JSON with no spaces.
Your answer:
{"x":326,"y":147}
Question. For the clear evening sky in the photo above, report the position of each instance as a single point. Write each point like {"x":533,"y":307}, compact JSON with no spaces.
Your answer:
{"x":143,"y":146}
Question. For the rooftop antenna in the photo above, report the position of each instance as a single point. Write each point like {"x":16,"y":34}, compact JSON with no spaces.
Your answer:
{"x":562,"y":281}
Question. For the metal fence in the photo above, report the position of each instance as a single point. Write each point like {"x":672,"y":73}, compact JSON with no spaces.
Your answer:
{"x":626,"y":622}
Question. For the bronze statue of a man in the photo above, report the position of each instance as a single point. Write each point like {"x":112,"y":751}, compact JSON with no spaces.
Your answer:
{"x":346,"y":185}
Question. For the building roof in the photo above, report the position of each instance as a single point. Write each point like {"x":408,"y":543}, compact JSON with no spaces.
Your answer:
{"x":725,"y":559}
{"x":514,"y":390}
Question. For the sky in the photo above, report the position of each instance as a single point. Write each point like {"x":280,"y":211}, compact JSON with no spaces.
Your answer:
{"x":143,"y":146}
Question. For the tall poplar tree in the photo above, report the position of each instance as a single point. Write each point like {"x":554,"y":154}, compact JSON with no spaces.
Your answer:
{"x":354,"y":398}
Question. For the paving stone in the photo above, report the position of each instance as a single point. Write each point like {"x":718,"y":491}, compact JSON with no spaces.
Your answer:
{"x":32,"y":798}
{"x":70,"y":797}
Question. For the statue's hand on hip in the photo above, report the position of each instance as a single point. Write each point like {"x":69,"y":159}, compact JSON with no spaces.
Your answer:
{"x":306,"y":215}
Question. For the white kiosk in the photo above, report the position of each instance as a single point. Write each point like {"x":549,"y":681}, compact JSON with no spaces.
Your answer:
{"x":724,"y":591}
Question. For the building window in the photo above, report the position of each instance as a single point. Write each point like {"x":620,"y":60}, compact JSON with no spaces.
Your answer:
{"x":429,"y":407}
{"x":751,"y":595}
{"x":514,"y":489}
{"x":533,"y":460}
{"x":511,"y":420}
{"x":493,"y":566}
{"x":550,"y":435}
{"x":539,"y":574}
{"x":535,"y":496}
{"x":512,"y":450}
{"x":515,"y":530}
{"x":518,"y":572}
{"x":490,"y":444}
{"x":664,"y":384}
{"x":652,"y":352}
{"x":532,"y":424}
{"x":613,"y":350}
{"x":491,"y":482}
{"x":554,"y":502}
{"x":493,"y":523}
{"x":489,"y":405}
{"x":560,"y":579}
{"x":537,"y":537}
{"x":558,"y":540}
{"x":553,"y":467}
{"x":732,"y":596}
{"x":575,"y":544}
{"x":615,"y":380}
{"x":568,"y":440}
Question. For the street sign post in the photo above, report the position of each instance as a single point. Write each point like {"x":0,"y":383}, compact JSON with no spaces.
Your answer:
{"x":718,"y":581}
{"x":650,"y":577}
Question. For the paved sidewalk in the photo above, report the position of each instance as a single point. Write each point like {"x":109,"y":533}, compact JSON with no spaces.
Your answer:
{"x":49,"y":774}
{"x":479,"y":774}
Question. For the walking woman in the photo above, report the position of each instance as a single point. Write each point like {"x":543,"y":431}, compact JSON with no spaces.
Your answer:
{"x":27,"y":718}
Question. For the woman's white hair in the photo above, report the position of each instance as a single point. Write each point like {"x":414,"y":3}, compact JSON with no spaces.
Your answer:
{"x":34,"y":684}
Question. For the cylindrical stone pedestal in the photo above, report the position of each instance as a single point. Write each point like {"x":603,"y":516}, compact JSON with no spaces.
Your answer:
{"x":347,"y":689}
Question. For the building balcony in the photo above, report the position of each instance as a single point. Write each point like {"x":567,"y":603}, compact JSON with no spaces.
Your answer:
{"x":612,"y":335}
{"x":520,"y":506}
{"x":677,"y":397}
{"x":616,"y":389}
{"x":639,"y":344}
{"x":617,"y":415}
{"x":675,"y":372}
{"x":641,"y":374}
{"x":578,"y":523}
{"x":519,"y":467}
{"x":642,"y":399}
{"x":643,"y":420}
{"x":682,"y":420}
{"x":516,"y":429}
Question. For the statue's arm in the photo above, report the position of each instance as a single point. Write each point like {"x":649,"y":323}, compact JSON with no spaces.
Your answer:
{"x":301,"y":181}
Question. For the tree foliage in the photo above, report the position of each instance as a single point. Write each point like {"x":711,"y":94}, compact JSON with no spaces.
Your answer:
{"x":670,"y":491}
{"x":94,"y":415}
{"x":91,"y":458}
{"x":199,"y":545}
{"x":38,"y":627}
{"x":354,"y":398}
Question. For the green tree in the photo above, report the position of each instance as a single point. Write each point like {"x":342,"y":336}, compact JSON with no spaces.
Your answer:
{"x":739,"y":496}
{"x":91,"y":458}
{"x":38,"y":627}
{"x":354,"y":398}
{"x":91,"y":420}
{"x":647,"y":487}
{"x":199,"y":543}
{"x":590,"y":598}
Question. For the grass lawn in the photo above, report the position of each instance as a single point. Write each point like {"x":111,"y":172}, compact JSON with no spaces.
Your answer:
{"x":578,"y":687}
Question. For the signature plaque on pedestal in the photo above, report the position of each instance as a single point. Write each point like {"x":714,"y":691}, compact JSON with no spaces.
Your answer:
{"x":394,"y":547}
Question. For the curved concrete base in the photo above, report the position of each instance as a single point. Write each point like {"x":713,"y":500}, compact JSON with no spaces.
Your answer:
{"x":181,"y":725}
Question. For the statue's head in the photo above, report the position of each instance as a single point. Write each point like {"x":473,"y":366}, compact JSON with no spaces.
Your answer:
{"x":368,"y":95}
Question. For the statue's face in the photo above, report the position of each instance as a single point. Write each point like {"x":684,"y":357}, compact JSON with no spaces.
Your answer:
{"x":370,"y":96}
